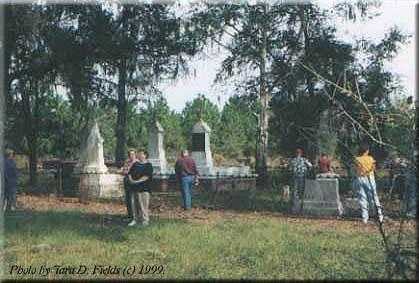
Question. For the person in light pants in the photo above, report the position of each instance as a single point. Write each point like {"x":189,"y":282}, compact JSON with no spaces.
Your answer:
{"x":140,"y":178}
{"x":365,"y":185}
{"x":140,"y":202}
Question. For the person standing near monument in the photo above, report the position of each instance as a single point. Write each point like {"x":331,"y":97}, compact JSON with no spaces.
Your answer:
{"x":365,"y":183}
{"x":140,"y":177}
{"x":324,"y":164}
{"x":10,"y":179}
{"x":409,"y":204}
{"x":187,"y":176}
{"x":299,"y":167}
{"x":132,"y":158}
{"x":403,"y":179}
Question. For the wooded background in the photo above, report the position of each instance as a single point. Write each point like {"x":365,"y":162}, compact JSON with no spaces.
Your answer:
{"x":297,"y":83}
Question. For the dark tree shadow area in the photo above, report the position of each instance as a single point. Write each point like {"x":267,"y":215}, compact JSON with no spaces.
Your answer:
{"x":242,"y":200}
{"x":103,"y":227}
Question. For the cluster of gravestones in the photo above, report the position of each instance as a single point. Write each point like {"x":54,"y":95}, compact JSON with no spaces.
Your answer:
{"x":97,"y":182}
{"x":321,"y":196}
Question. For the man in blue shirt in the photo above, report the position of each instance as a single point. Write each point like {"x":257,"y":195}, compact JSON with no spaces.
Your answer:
{"x":10,"y":179}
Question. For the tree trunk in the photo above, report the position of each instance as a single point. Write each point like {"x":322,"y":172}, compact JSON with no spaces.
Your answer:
{"x":31,"y":134}
{"x":121,"y":138}
{"x":33,"y":161}
{"x":3,"y":91}
{"x":262,"y":154}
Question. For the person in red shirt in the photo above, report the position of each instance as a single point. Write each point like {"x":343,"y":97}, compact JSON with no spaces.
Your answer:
{"x":324,"y":164}
{"x":186,"y":174}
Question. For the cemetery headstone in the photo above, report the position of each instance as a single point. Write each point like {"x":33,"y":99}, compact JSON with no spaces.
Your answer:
{"x":321,"y":198}
{"x":95,"y":181}
{"x":157,"y":155}
{"x":201,"y":150}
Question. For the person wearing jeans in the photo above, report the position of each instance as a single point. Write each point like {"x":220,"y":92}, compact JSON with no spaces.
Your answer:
{"x":409,"y":194}
{"x":365,"y":184}
{"x":10,"y":180}
{"x":187,"y":184}
{"x":186,"y":174}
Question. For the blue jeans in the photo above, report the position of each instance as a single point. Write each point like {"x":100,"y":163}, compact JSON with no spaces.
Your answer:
{"x":299,"y":184}
{"x":10,"y":194}
{"x":367,"y":195}
{"x":409,"y":199}
{"x":186,"y":185}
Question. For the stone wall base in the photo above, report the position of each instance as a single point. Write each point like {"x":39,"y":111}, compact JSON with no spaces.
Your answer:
{"x":100,"y":186}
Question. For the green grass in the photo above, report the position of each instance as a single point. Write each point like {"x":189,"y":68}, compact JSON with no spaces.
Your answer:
{"x":243,"y":200}
{"x":240,"y":247}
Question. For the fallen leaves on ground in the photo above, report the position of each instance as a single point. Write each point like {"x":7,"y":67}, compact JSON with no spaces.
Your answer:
{"x":166,"y":207}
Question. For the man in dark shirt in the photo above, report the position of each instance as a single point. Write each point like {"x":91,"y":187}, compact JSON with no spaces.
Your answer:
{"x":132,"y":158}
{"x":10,"y":179}
{"x":140,"y":177}
{"x":186,"y":174}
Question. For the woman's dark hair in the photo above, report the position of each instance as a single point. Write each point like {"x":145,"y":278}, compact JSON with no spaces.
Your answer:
{"x":363,"y":148}
{"x":143,"y":151}
{"x":9,"y":153}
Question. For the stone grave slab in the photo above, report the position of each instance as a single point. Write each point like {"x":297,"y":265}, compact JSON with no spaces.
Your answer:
{"x":321,"y":198}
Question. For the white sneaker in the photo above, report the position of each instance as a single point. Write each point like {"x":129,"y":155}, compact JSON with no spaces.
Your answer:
{"x":411,"y":215}
{"x":132,"y":223}
{"x":365,"y":221}
{"x":381,"y":218}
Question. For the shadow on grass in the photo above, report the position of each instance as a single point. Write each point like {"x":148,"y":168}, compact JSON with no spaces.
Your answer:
{"x":103,"y":227}
{"x":242,"y":200}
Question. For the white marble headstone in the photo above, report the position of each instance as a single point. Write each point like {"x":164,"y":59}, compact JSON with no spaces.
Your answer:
{"x":157,"y":155}
{"x":91,"y":158}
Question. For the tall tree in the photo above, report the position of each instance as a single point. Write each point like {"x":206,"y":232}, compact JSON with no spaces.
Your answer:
{"x":238,"y":125}
{"x":265,"y":41}
{"x":31,"y":74}
{"x":75,"y":52}
{"x":255,"y":36}
{"x":248,"y":33}
{"x":141,"y":44}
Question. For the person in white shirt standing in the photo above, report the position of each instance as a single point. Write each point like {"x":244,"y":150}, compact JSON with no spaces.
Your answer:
{"x":299,"y":167}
